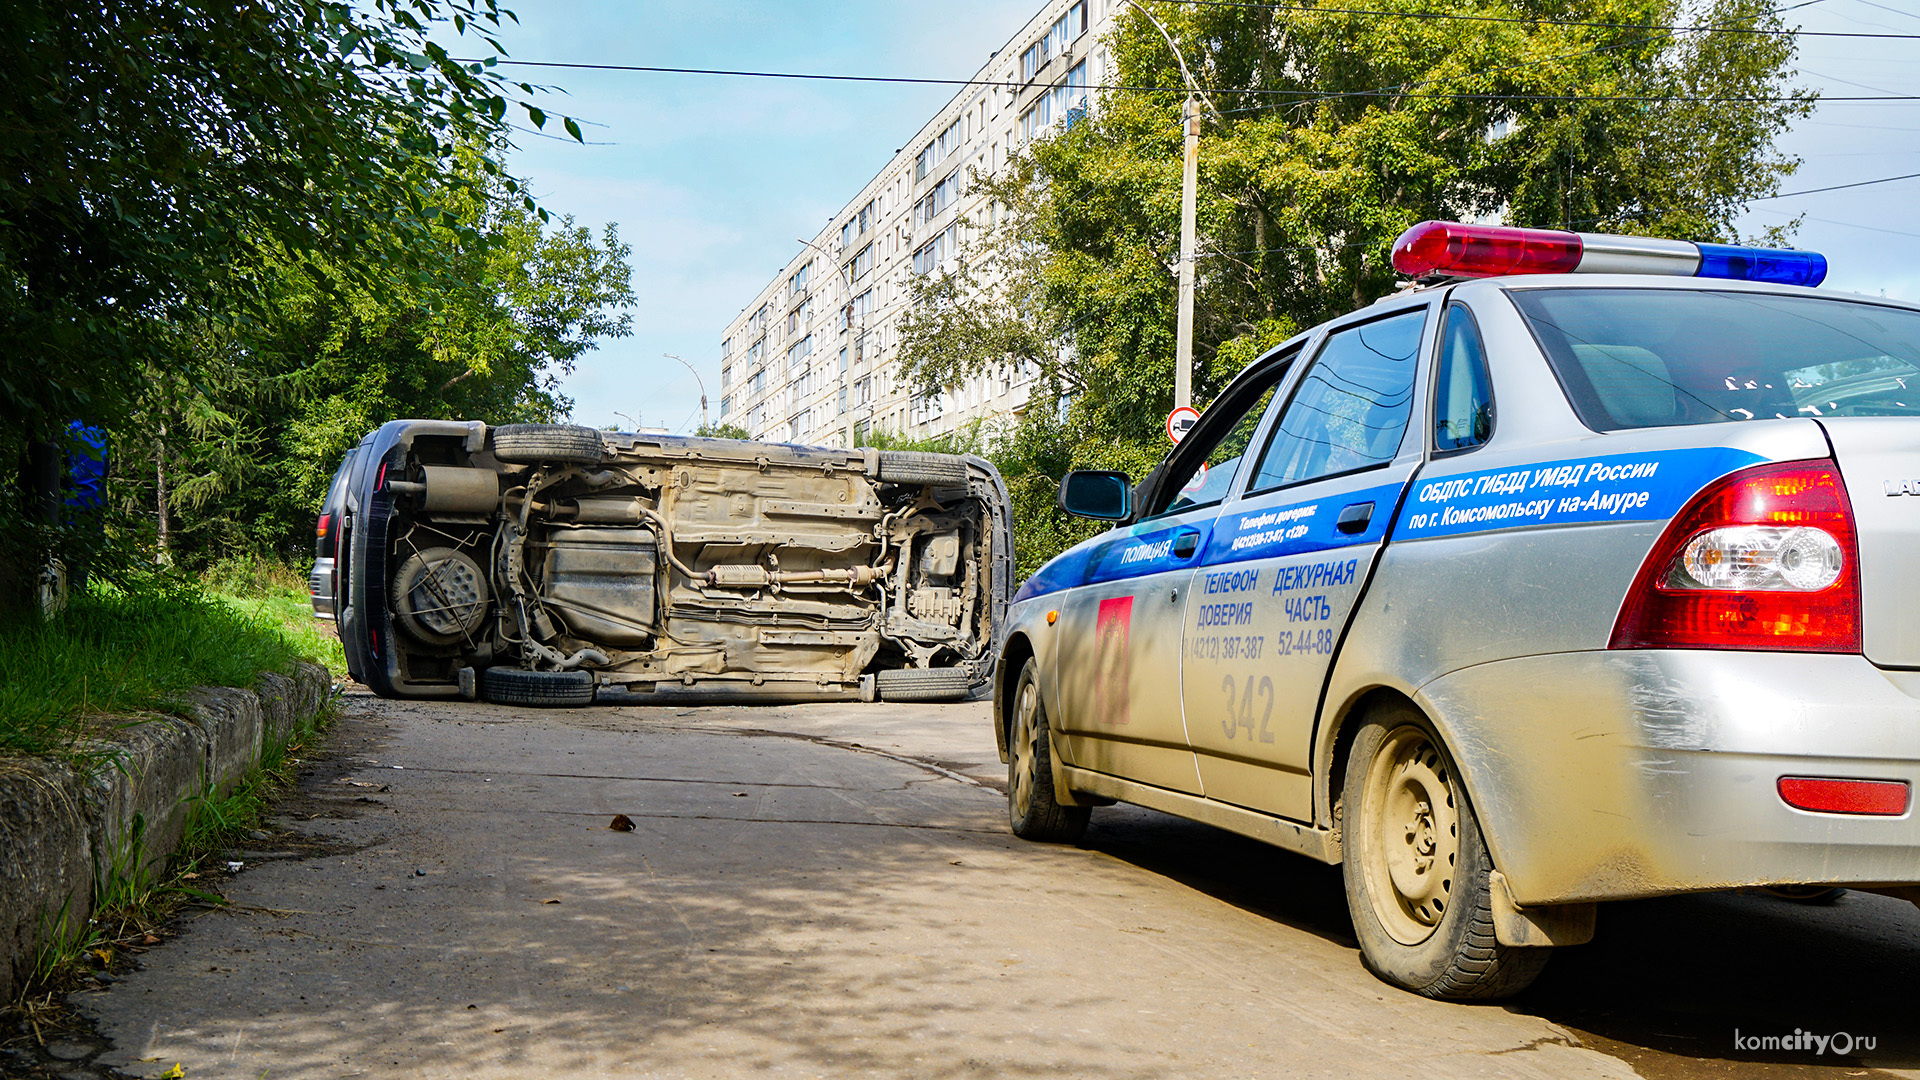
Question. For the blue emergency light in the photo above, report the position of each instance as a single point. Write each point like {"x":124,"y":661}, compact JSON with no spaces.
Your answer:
{"x":1454,"y":249}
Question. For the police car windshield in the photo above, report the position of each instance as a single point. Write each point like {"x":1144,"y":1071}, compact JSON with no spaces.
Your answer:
{"x":1636,"y":358}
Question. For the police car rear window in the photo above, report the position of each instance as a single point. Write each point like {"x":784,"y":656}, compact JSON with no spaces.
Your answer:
{"x":1637,"y":358}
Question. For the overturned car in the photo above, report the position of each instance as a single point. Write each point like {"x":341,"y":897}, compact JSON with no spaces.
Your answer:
{"x":536,"y":564}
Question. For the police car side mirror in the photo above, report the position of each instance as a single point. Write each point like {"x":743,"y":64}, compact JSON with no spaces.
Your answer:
{"x":1103,"y":496}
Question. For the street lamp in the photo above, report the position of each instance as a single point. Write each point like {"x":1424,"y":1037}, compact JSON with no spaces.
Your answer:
{"x":855,"y":332}
{"x":697,"y":379}
{"x":1189,"y":181}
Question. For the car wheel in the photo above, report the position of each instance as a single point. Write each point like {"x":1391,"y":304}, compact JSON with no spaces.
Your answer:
{"x":1418,"y":876}
{"x":540,"y":444}
{"x":539,"y":689}
{"x":916,"y":467}
{"x":923,"y":684}
{"x":1031,"y":809}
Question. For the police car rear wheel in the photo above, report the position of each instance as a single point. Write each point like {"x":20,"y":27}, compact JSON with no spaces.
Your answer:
{"x":1417,"y":871}
{"x":1032,"y":811}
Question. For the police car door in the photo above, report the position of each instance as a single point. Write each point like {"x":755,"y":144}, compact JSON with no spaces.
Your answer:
{"x":1118,"y":665}
{"x":1286,"y":562}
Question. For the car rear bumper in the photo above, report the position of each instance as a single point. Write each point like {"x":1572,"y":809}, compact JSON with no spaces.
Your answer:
{"x":320,"y":588}
{"x":1610,"y":775}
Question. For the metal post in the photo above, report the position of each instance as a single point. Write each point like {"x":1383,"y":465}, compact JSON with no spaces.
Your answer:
{"x":1189,"y":181}
{"x":697,"y":379}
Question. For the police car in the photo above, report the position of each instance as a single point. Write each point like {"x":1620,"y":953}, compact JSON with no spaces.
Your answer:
{"x":1584,"y":570}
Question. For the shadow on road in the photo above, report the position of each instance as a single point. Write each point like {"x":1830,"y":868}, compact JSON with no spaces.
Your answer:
{"x":1666,"y":985}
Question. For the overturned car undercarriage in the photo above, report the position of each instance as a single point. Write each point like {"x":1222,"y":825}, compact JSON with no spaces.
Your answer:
{"x":535,"y":564}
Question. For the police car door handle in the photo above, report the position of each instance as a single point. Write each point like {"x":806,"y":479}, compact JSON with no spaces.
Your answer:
{"x":1354,"y":519}
{"x":1185,"y":544}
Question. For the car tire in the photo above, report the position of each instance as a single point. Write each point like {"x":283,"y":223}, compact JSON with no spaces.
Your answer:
{"x":541,"y":444}
{"x":923,"y":684}
{"x":1032,"y":811}
{"x":1418,"y":875}
{"x":537,"y":689}
{"x":917,"y":467}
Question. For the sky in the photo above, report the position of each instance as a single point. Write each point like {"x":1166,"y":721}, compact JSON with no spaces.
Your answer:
{"x":713,"y":179}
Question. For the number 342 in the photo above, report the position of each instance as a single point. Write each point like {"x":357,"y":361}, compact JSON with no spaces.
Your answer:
{"x":1243,"y":702}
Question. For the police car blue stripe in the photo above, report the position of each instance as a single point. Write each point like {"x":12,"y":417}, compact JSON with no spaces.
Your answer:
{"x":1620,"y":487}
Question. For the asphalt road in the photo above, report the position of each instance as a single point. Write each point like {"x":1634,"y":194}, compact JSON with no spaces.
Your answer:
{"x":831,"y":891}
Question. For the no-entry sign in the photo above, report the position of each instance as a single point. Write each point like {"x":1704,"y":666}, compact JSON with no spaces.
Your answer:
{"x":1180,"y":421}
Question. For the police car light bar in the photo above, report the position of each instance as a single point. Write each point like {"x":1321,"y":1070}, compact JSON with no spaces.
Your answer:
{"x":1453,"y":249}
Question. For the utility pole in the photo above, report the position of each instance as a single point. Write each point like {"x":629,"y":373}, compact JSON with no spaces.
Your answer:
{"x":1189,"y":183}
{"x":697,"y":379}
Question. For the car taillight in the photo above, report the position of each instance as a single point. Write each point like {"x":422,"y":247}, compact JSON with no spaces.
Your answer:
{"x":1765,"y":559}
{"x":326,"y":522}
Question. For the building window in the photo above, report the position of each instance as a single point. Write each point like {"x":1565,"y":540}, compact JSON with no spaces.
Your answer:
{"x":797,"y":284}
{"x":931,"y":254}
{"x":726,"y":376}
{"x":1066,"y":102}
{"x":848,"y":234}
{"x":758,"y":384}
{"x":756,"y":352}
{"x":1065,"y":30}
{"x":843,"y":358}
{"x":937,"y":200}
{"x":862,"y":263}
{"x":800,"y":316}
{"x":799,"y":351}
{"x":868,"y":215}
{"x":726,"y":406}
{"x":758,"y":323}
{"x":937,"y":151}
{"x":843,"y":400}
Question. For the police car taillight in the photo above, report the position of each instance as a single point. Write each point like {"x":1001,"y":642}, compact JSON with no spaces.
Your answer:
{"x":1456,"y":249}
{"x":1765,"y":558}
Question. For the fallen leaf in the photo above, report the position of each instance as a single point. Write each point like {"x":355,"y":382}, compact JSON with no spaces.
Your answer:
{"x":739,"y":794}
{"x":551,"y":900}
{"x":621,"y":823}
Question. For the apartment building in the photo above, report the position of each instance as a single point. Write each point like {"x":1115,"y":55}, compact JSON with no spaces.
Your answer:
{"x":812,"y":358}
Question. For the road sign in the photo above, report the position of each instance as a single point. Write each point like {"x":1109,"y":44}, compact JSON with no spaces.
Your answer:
{"x":1180,"y":421}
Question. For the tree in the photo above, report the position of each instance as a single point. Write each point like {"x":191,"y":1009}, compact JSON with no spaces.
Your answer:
{"x":279,"y":400}
{"x":156,"y":154}
{"x":1327,"y":134}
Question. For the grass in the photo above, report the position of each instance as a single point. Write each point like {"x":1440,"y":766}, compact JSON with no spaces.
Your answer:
{"x":116,"y":652}
{"x":277,"y":594}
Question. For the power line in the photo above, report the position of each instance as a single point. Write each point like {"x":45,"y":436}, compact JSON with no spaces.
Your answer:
{"x":1374,"y":13}
{"x":1837,"y":187}
{"x":1310,"y":95}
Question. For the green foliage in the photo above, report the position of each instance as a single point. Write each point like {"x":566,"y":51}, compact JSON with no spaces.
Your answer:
{"x":246,"y":447}
{"x":115,"y":652}
{"x":157,"y":151}
{"x":723,"y":430}
{"x":1326,"y":134}
{"x":276,"y":594}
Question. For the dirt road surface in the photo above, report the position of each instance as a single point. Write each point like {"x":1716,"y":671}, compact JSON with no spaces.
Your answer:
{"x":830,"y":891}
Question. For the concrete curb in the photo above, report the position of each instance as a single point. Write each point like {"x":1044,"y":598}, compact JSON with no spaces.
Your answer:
{"x":61,"y":828}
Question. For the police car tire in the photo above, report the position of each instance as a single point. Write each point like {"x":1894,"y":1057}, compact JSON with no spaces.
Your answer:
{"x":1042,"y":818}
{"x":542,"y":444}
{"x":916,"y":467}
{"x":923,"y":684}
{"x":1462,"y":959}
{"x":537,"y":689}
